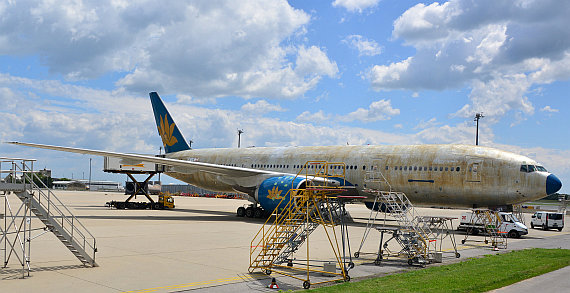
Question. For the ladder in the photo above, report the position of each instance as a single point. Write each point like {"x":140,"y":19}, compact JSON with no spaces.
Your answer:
{"x":42,"y":202}
{"x":489,"y":221}
{"x":298,"y":215}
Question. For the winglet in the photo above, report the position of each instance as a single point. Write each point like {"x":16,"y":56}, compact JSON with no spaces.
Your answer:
{"x":172,"y":139}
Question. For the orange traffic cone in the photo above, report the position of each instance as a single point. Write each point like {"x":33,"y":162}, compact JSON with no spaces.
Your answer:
{"x":273,"y":284}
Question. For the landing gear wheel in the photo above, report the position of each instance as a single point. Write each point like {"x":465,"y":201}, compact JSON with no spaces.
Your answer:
{"x":377,"y":262}
{"x":290,"y":263}
{"x":356,"y":254}
{"x":347,"y":278}
{"x":410,"y":261}
{"x":350,"y":265}
{"x":249,"y":212}
{"x":258,"y":213}
{"x":306,"y":285}
{"x":457,"y":255}
{"x":241,"y":212}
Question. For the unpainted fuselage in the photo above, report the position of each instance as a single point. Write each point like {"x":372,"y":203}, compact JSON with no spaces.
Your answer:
{"x":442,"y":175}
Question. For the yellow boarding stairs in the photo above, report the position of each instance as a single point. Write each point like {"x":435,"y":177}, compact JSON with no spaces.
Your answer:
{"x":298,"y":214}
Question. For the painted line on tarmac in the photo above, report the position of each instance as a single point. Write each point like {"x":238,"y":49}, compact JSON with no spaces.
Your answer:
{"x":216,"y":281}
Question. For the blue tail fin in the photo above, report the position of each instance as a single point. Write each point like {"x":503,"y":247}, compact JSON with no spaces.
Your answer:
{"x":172,"y":139}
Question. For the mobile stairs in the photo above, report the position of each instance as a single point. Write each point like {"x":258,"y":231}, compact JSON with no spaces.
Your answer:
{"x":487,"y":222}
{"x":37,"y":199}
{"x":298,"y":215}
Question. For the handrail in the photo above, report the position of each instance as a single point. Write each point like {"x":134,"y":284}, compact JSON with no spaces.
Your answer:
{"x":74,"y":228}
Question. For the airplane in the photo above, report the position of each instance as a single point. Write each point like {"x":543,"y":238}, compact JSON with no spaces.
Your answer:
{"x":430,"y":175}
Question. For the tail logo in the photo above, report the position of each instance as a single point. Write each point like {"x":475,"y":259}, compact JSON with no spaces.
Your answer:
{"x":274,"y":193}
{"x":166,"y":131}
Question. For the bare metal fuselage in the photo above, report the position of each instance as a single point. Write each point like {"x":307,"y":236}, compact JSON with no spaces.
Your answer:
{"x":442,"y":175}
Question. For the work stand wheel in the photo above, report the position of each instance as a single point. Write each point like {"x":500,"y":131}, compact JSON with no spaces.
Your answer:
{"x":463,"y":241}
{"x":346,"y":278}
{"x":306,"y":285}
{"x":457,"y":255}
{"x":350,"y":265}
{"x":377,"y":262}
{"x":268,"y":271}
{"x":356,"y":254}
{"x":410,"y":261}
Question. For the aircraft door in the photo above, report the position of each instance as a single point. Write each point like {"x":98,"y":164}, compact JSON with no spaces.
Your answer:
{"x":473,"y":170}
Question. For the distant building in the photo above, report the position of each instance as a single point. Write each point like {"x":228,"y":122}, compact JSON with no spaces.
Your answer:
{"x":45,"y":172}
{"x":83,"y":184}
{"x":69,"y":185}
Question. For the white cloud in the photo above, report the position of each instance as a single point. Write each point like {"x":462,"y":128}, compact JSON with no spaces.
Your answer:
{"x":314,"y":118}
{"x":355,"y":5}
{"x":364,"y":46}
{"x":245,"y":48}
{"x":261,"y":107}
{"x":379,"y":110}
{"x":427,"y":124}
{"x":500,"y":49}
{"x":549,"y":109}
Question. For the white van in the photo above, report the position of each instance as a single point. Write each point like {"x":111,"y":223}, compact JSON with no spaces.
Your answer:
{"x":547,"y":220}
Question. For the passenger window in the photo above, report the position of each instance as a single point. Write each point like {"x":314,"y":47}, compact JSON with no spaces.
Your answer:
{"x":430,"y":168}
{"x":400,"y":168}
{"x":405,"y":168}
{"x":386,"y":168}
{"x":363,"y":167}
{"x":440,"y":169}
{"x":446,"y":169}
{"x":415,"y":168}
{"x":410,"y":168}
{"x":419,"y":168}
{"x":457,"y":169}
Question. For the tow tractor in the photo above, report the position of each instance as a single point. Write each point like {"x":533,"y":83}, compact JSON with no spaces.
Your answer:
{"x":164,"y":202}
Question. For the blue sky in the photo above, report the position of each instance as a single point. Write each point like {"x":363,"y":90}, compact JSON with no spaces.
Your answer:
{"x":291,"y":73}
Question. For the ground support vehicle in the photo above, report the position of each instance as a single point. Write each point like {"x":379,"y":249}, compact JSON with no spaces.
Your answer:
{"x":547,"y":220}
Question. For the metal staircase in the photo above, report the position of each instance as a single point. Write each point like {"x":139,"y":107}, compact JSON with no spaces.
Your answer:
{"x":416,"y":237}
{"x":42,"y":202}
{"x":298,"y":215}
{"x":489,"y":221}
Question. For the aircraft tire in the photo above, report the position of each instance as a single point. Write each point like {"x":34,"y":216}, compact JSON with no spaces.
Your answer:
{"x":258,"y":213}
{"x":241,"y":212}
{"x":249,"y":212}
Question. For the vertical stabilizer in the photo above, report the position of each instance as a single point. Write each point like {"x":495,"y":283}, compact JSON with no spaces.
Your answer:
{"x":172,"y":139}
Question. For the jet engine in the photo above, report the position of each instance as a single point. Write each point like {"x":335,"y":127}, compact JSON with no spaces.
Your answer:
{"x":276,"y":189}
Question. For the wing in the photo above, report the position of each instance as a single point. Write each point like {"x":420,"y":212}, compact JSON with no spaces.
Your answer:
{"x":237,"y":176}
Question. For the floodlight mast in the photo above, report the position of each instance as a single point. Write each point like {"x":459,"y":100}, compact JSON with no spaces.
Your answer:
{"x":240,"y":131}
{"x":477,"y":117}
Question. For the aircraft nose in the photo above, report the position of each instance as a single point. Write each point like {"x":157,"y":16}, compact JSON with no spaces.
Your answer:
{"x":553,"y":184}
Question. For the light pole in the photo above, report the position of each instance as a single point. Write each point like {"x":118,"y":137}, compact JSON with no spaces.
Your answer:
{"x":477,"y":117}
{"x":90,"y":174}
{"x":240,"y":131}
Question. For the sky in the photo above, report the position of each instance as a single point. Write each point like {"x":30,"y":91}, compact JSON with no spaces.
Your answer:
{"x":288,"y":73}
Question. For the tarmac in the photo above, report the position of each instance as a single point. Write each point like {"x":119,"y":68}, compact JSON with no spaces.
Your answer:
{"x":201,"y":245}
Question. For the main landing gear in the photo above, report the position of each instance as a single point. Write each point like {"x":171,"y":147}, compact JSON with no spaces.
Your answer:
{"x":251,"y":211}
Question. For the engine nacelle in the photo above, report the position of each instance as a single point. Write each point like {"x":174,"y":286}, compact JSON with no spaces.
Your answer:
{"x":272,"y":190}
{"x":380,"y":207}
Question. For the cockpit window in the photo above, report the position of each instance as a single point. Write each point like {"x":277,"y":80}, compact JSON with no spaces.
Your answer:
{"x":541,"y":169}
{"x":532,"y":168}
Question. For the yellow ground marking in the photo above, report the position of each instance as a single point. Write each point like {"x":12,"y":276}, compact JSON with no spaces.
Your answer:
{"x":216,"y":281}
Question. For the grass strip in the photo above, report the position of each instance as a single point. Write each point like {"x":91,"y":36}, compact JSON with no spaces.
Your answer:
{"x":473,"y":275}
